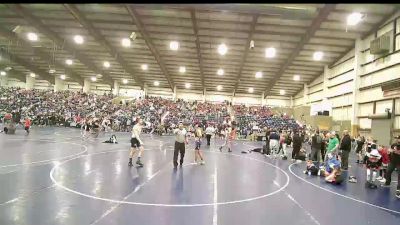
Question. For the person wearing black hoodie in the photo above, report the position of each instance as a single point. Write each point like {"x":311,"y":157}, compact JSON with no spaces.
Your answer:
{"x":345,"y":146}
{"x":297,"y":143}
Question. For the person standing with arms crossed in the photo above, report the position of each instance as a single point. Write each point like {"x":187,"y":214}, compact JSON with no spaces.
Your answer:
{"x":136,"y":143}
{"x":180,"y":141}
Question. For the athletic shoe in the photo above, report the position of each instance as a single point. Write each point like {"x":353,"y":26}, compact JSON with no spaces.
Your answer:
{"x":139,"y":163}
{"x":130,"y":164}
{"x":379,"y":178}
{"x":220,"y":149}
{"x":385,"y":185}
{"x":398,"y":194}
{"x":202,"y":162}
{"x":229,"y":150}
{"x":383,"y":180}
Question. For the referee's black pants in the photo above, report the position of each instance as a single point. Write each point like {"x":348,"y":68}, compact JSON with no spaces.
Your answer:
{"x":179,"y":149}
{"x":208,"y":136}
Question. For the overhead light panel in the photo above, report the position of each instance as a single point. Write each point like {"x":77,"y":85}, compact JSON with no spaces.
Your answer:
{"x":182,"y":69}
{"x":174,"y":45}
{"x":220,"y":72}
{"x":32,"y":36}
{"x":222,"y":49}
{"x":318,"y":56}
{"x":78,"y":39}
{"x":219,"y":87}
{"x":3,"y":73}
{"x":259,"y":74}
{"x":188,"y":85}
{"x":126,"y":42}
{"x":62,"y":77}
{"x":106,"y":64}
{"x":93,"y":79}
{"x":125,"y":81}
{"x":251,"y":90}
{"x":32,"y":75}
{"x":282,"y":92}
{"x":270,"y":52}
{"x":296,"y":77}
{"x":354,"y":18}
{"x":145,"y":67}
{"x":52,"y":71}
{"x":69,"y":61}
{"x":156,"y":83}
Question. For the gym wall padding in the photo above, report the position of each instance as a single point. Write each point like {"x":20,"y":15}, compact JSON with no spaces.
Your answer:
{"x":381,"y":131}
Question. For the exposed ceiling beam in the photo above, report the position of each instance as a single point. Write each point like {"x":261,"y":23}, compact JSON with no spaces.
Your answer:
{"x":196,"y":32}
{"x":81,"y":18}
{"x":246,"y":51}
{"x":42,"y":28}
{"x":247,"y":9}
{"x":316,"y":23}
{"x":22,"y":62}
{"x":40,"y":53}
{"x":140,"y":26}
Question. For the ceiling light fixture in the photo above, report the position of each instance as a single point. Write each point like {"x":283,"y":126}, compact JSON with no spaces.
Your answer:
{"x":354,"y":18}
{"x":69,"y":61}
{"x":125,"y":81}
{"x":62,"y":77}
{"x":156,"y":83}
{"x":32,"y":36}
{"x":93,"y":79}
{"x":220,"y":72}
{"x":296,"y":77}
{"x":270,"y":52}
{"x":219,"y":87}
{"x":251,"y":90}
{"x":52,"y":71}
{"x":145,"y":67}
{"x":3,"y":73}
{"x":182,"y":69}
{"x":106,"y":64}
{"x":318,"y":55}
{"x":32,"y":75}
{"x":222,"y":49}
{"x":126,"y":42}
{"x":259,"y":74}
{"x":282,"y":92}
{"x":188,"y":85}
{"x":174,"y":45}
{"x":78,"y":39}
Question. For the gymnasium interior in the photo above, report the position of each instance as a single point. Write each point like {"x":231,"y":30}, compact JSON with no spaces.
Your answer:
{"x":87,"y":88}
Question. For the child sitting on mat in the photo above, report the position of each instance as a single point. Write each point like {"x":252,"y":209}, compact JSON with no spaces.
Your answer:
{"x":311,"y":168}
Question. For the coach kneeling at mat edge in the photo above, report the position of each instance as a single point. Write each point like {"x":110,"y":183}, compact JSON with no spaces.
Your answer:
{"x":180,"y":141}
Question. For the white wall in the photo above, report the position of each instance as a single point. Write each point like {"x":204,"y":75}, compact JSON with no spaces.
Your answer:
{"x":339,"y":85}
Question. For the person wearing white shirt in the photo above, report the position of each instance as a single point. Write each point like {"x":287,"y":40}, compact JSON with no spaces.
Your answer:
{"x":180,"y":141}
{"x":136,"y":143}
{"x":209,"y":132}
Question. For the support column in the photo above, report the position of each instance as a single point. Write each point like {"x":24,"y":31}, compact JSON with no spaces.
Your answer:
{"x":59,"y":85}
{"x":116,"y":88}
{"x":145,"y":89}
{"x":174,"y":94}
{"x":305,"y":98}
{"x":204,"y":95}
{"x":358,"y":70}
{"x":3,"y":81}
{"x":30,"y":82}
{"x":262,"y":98}
{"x":291,"y":102}
{"x":86,"y":85}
